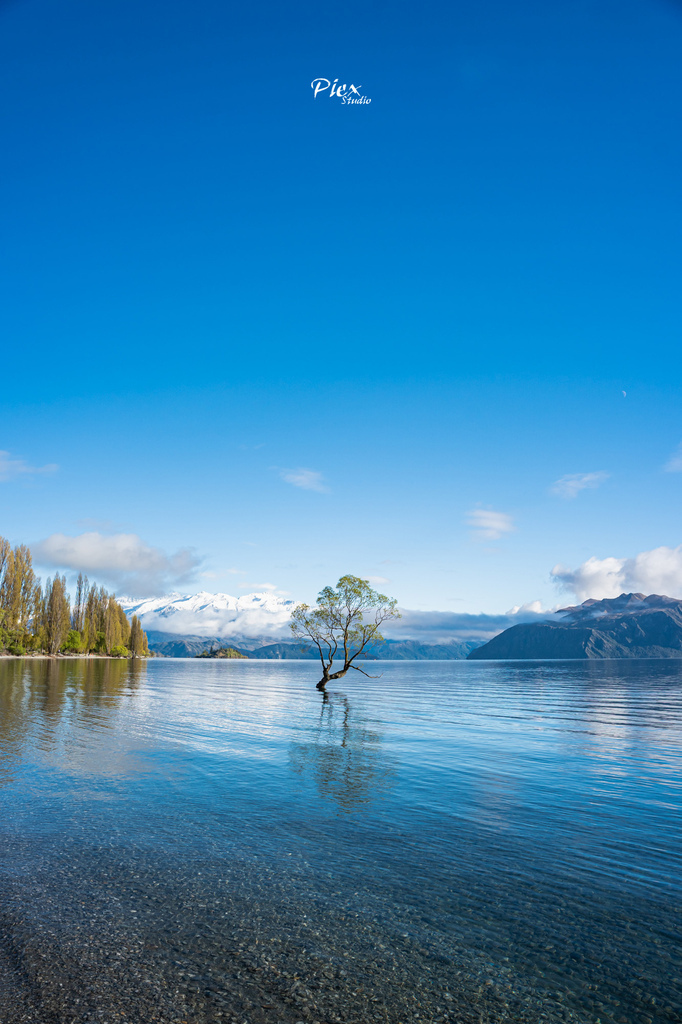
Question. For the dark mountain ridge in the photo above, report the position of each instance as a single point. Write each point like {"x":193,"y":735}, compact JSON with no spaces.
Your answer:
{"x":628,"y":626}
{"x":389,"y":650}
{"x":174,"y":645}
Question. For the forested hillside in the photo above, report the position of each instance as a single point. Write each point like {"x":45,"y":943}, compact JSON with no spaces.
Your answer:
{"x":41,"y":619}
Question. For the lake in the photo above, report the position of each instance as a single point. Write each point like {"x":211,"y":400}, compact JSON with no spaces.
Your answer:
{"x":214,"y":841}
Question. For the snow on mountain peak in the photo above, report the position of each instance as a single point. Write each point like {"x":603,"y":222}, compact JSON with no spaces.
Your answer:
{"x":204,"y":614}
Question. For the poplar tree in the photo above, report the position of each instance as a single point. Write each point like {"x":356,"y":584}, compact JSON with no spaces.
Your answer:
{"x":5,"y":552}
{"x":112,"y":626}
{"x":138,"y":639}
{"x":37,"y":620}
{"x":24,"y":587}
{"x":78,"y":614}
{"x":7,"y":582}
{"x":18,"y":583}
{"x":57,"y":613}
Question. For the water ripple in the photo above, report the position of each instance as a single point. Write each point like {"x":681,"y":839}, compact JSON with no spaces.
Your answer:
{"x":452,"y":842}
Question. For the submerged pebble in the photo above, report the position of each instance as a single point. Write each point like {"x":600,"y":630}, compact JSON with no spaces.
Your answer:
{"x":142,"y":881}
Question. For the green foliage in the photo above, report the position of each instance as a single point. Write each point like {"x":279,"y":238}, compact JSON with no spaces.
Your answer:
{"x":346,"y":620}
{"x":57,"y":615}
{"x":73,"y":643}
{"x":99,"y":643}
{"x":18,"y":584}
{"x":221,"y":652}
{"x":33,"y":619}
{"x":138,"y":639}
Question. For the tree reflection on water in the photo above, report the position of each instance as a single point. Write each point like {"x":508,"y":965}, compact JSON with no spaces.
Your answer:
{"x":344,"y":756}
{"x":38,"y":697}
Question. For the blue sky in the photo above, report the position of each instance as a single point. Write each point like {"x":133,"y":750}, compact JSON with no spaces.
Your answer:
{"x":289,"y":338}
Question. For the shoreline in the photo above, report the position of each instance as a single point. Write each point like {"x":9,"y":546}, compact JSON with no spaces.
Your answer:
{"x":69,"y":657}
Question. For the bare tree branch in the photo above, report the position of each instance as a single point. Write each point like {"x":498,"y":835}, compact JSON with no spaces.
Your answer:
{"x":365,"y":673}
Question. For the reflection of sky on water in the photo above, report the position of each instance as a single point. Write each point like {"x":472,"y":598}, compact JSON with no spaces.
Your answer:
{"x":523,"y":748}
{"x":460,"y":800}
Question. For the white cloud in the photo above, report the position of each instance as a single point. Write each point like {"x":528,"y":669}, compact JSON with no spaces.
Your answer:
{"x":651,"y":572}
{"x":257,"y":587}
{"x":573,"y":483}
{"x":674,"y":463}
{"x":307,"y":479}
{"x":377,"y":580}
{"x":121,"y":559}
{"x":489,"y":525}
{"x":11,"y":468}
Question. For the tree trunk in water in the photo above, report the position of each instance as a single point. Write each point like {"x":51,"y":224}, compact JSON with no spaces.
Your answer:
{"x":334,"y":675}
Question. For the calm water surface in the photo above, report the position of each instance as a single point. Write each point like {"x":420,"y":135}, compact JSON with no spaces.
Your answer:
{"x":466,"y":842}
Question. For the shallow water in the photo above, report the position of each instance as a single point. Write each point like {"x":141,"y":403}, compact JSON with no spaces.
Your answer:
{"x":468,"y":842}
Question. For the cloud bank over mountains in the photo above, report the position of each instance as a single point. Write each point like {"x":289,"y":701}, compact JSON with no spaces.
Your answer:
{"x":128,"y":564}
{"x":439,"y":627}
{"x":263,"y":615}
{"x":266,"y":616}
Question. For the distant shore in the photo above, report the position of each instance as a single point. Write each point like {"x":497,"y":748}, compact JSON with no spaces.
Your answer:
{"x":68,"y":657}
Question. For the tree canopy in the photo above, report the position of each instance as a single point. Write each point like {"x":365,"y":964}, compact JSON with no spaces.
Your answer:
{"x":344,"y":624}
{"x":36,"y":619}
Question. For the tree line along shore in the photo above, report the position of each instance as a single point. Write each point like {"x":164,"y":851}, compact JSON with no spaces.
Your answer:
{"x":43,"y":620}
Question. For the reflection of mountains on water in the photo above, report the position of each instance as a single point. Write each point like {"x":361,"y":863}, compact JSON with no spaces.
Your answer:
{"x":37,"y":696}
{"x":344,"y":756}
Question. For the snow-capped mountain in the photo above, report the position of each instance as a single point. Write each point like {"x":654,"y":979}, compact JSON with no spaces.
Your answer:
{"x":221,"y":615}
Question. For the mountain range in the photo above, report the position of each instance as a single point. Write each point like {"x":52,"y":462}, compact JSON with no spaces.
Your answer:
{"x":629,"y":626}
{"x":262,"y":617}
{"x":174,"y":645}
{"x":182,"y":626}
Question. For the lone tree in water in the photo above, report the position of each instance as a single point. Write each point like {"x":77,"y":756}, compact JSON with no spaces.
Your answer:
{"x":337,"y":626}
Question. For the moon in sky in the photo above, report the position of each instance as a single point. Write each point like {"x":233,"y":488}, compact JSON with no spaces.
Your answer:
{"x":625,"y":394}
